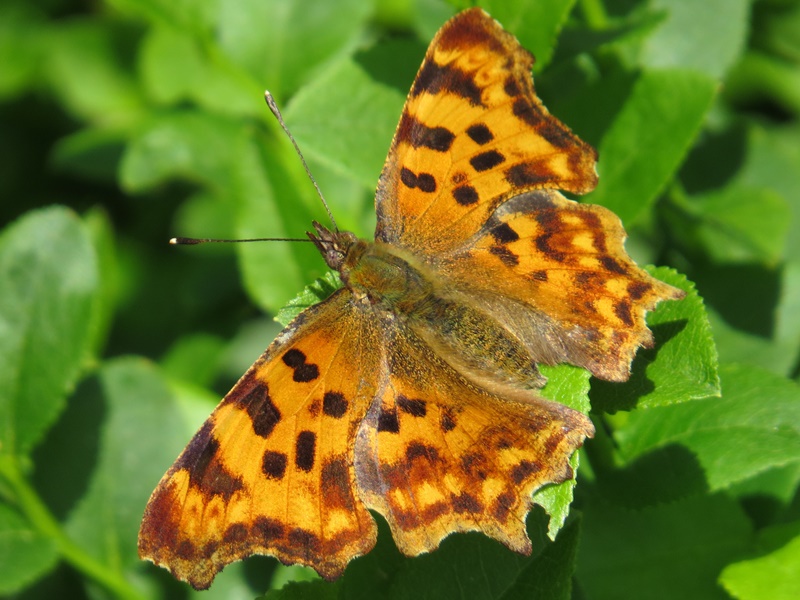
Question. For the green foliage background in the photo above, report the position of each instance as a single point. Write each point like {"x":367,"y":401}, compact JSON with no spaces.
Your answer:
{"x":125,"y":122}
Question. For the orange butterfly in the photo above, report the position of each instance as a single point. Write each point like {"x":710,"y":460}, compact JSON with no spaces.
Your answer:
{"x":412,"y":391}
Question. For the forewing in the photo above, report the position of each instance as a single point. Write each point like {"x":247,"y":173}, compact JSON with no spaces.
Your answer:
{"x":271,"y":471}
{"x":472,"y":134}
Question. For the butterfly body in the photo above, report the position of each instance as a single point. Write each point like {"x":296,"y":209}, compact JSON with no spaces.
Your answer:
{"x":468,"y":337}
{"x":412,"y":390}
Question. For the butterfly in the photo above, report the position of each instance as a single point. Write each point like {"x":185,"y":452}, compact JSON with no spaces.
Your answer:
{"x":412,"y":390}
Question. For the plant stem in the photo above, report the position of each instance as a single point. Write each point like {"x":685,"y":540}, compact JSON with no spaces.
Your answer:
{"x":44,"y":522}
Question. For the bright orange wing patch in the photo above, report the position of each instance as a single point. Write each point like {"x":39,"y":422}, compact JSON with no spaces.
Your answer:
{"x":472,"y":134}
{"x":436,"y":455}
{"x":565,"y":266}
{"x":271,"y":471}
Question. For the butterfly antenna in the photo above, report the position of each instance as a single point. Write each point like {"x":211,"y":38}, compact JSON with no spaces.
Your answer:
{"x":186,"y":241}
{"x":276,"y":111}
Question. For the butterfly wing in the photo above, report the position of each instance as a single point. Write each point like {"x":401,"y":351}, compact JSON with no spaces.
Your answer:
{"x":472,"y":134}
{"x":556,"y":272}
{"x":469,"y":185}
{"x":436,"y":454}
{"x":271,"y":471}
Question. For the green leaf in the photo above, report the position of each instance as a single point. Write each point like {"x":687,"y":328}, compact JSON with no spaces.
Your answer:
{"x":25,"y":555}
{"x":535,"y":23}
{"x":683,"y":39}
{"x":133,"y":399}
{"x":189,"y":15}
{"x":753,"y":427}
{"x":48,"y":274}
{"x":741,"y":224}
{"x":174,"y":69}
{"x":569,"y":386}
{"x":91,"y":153}
{"x":663,"y":114}
{"x":177,"y":145}
{"x":21,"y":48}
{"x":549,"y":576}
{"x":773,"y":576}
{"x":681,"y":366}
{"x":311,"y":295}
{"x":487,"y":569}
{"x":267,"y":206}
{"x":104,"y":92}
{"x":194,"y":358}
{"x":345,"y":118}
{"x":664,"y":552}
{"x":280,"y":42}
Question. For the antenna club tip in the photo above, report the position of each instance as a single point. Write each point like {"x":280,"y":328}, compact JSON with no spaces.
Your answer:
{"x":182,"y":241}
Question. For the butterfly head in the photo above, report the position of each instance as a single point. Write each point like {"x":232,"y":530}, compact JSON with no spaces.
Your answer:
{"x":333,"y":245}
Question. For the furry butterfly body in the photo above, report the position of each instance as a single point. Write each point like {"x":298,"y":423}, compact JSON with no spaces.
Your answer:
{"x":412,"y":390}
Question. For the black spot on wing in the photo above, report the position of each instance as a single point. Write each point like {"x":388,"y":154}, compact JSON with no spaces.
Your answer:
{"x":480,"y":133}
{"x":334,"y":404}
{"x":305,"y":450}
{"x":447,"y":421}
{"x":205,"y":469}
{"x":526,"y":175}
{"x":420,"y":135}
{"x":486,"y":160}
{"x":506,"y":256}
{"x":412,"y":406}
{"x":425,"y":182}
{"x":504,"y":234}
{"x":273,"y":464}
{"x":387,"y":421}
{"x":637,"y":289}
{"x":612,"y":265}
{"x":263,"y":413}
{"x":434,"y":78}
{"x":303,"y":372}
{"x":267,"y":530}
{"x":622,"y":309}
{"x":511,"y":87}
{"x":465,"y":195}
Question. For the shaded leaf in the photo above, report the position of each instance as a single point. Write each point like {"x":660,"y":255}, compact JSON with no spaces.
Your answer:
{"x":48,"y":274}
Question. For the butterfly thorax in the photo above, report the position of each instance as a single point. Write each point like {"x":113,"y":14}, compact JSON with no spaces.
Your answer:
{"x":397,"y":283}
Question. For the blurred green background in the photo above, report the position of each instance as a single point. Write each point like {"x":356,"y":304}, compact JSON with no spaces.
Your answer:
{"x":126,"y":122}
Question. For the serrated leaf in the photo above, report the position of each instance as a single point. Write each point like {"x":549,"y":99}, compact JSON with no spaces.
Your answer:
{"x":569,"y":386}
{"x":311,"y":295}
{"x":48,"y":274}
{"x":681,"y":366}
